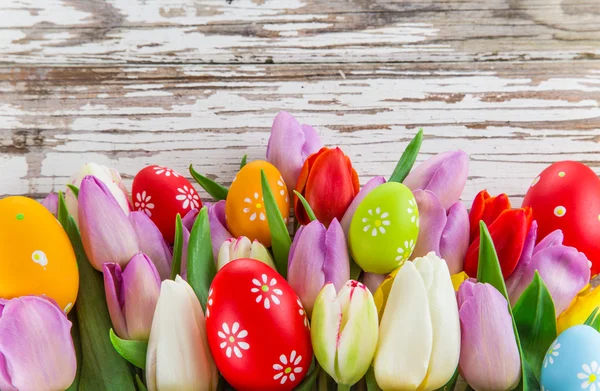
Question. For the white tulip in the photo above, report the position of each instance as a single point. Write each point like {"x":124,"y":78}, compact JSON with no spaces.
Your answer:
{"x":242,"y":247}
{"x":178,"y":355}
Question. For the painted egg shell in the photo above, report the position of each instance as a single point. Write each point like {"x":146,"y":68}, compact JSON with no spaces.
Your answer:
{"x":36,"y":256}
{"x":162,"y":193}
{"x":245,"y":209}
{"x":257,"y":328}
{"x":384,"y":229}
{"x":566,"y":196}
{"x":573,"y":361}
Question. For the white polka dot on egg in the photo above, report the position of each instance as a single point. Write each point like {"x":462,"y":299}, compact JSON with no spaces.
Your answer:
{"x":560,"y":211}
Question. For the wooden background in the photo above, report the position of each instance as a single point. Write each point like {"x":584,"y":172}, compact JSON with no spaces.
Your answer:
{"x":126,"y":83}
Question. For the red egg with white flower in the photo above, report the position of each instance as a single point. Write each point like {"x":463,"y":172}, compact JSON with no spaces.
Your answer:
{"x":162,"y":193}
{"x":257,"y":329}
{"x":566,"y":196}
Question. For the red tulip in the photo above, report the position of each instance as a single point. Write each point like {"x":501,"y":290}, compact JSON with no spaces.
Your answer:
{"x":329,"y":184}
{"x":486,"y":208}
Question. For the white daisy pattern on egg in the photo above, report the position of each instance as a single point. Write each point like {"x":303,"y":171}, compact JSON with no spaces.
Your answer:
{"x":39,"y":257}
{"x":159,"y":170}
{"x":209,"y":302}
{"x":283,"y":189}
{"x":590,"y":376}
{"x":404,"y":252}
{"x":266,"y":290}
{"x":288,"y":367}
{"x":255,"y":207}
{"x":143,"y":202}
{"x":189,"y":197}
{"x":412,"y":211}
{"x":551,"y":354}
{"x":302,"y":313}
{"x":231,"y":337}
{"x":376,"y":221}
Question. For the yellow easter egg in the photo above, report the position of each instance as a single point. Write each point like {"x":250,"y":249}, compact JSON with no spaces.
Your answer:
{"x":245,"y":208}
{"x":36,"y":256}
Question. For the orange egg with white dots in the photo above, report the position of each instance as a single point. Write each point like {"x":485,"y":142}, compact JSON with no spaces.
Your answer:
{"x":36,"y":256}
{"x":245,"y":207}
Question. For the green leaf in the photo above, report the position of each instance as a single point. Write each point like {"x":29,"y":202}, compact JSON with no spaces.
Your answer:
{"x":130,"y":350}
{"x":243,"y":163}
{"x":217,"y":191}
{"x":177,"y":248}
{"x":77,"y":344}
{"x":63,"y":214}
{"x":280,"y":237}
{"x":140,"y":384}
{"x":201,"y":267}
{"x":309,"y":211}
{"x":310,"y":380}
{"x":590,"y":320}
{"x":407,"y":160}
{"x":102,"y":368}
{"x":371,"y":382}
{"x":489,"y":271}
{"x":74,"y":189}
{"x":535,"y":318}
{"x":449,"y":386}
{"x":355,"y":270}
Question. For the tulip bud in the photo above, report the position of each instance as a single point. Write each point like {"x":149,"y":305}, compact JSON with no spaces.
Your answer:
{"x":318,"y":256}
{"x":289,"y":145}
{"x":218,"y":225}
{"x":487,"y":209}
{"x":344,"y":331}
{"x":131,"y":296}
{"x":329,"y":184}
{"x":106,"y":233}
{"x":366,"y":189}
{"x":444,"y":174}
{"x":178,"y":356}
{"x":580,"y":308}
{"x":241,"y":247}
{"x":152,"y":243}
{"x":489,"y":357}
{"x":419,"y":343}
{"x":51,"y":203}
{"x":35,"y":346}
{"x":109,"y":176}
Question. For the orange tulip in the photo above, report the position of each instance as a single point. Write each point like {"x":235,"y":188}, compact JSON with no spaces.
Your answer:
{"x":329,"y":184}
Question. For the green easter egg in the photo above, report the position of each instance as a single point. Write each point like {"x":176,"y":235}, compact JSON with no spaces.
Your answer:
{"x":384,"y":229}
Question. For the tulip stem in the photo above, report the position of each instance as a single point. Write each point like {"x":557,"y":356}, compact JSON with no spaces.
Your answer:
{"x":343,"y":387}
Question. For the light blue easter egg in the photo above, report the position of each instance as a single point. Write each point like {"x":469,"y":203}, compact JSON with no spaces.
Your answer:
{"x":573,"y":361}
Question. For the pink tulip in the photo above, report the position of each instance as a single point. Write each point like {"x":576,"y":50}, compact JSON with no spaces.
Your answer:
{"x":366,"y":189}
{"x":51,"y":203}
{"x":218,"y":225}
{"x":152,"y":243}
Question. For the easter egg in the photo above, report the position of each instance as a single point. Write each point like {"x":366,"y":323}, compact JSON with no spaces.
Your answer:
{"x":566,"y":196}
{"x":36,"y":256}
{"x":573,"y":361}
{"x":245,"y":209}
{"x":162,"y":193}
{"x":384,"y":229}
{"x":257,"y":329}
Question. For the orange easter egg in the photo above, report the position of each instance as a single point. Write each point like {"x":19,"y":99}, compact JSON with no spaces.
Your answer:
{"x":36,"y":256}
{"x":245,"y":209}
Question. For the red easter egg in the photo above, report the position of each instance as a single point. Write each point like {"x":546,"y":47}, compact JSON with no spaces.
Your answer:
{"x":161,"y":193}
{"x":257,"y":328}
{"x":566,"y":196}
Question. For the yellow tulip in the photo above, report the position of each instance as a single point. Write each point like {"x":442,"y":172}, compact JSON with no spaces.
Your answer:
{"x":383,"y":291}
{"x":458,"y":279}
{"x":580,"y":308}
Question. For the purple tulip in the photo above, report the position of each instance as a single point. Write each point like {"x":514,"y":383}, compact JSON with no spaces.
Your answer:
{"x":366,"y":189}
{"x":152,"y":243}
{"x":36,"y":349}
{"x":318,"y":255}
{"x":51,"y":203}
{"x":373,"y":280}
{"x":289,"y":146}
{"x":106,"y":233}
{"x":489,"y":357}
{"x":131,"y":296}
{"x":445,"y":233}
{"x":564,"y":270}
{"x":445,"y":174}
{"x":218,"y":225}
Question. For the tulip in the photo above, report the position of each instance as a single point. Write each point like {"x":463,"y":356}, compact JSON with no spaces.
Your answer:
{"x":218,"y":225}
{"x":131,"y":296}
{"x":242,"y":247}
{"x":419,"y":335}
{"x":580,"y":308}
{"x":36,"y":349}
{"x":51,"y":203}
{"x":508,"y":233}
{"x":366,"y":189}
{"x":318,"y":256}
{"x":344,"y":331}
{"x":445,"y":233}
{"x":489,"y":357}
{"x":329,"y":184}
{"x":486,"y":208}
{"x":564,"y":270}
{"x":178,"y":356}
{"x":373,"y":281}
{"x":106,"y":233}
{"x":289,"y":145}
{"x":109,"y":176}
{"x":444,"y":174}
{"x":152,"y":243}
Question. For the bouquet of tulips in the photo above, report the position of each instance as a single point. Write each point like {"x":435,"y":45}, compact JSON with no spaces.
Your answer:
{"x":395,"y":286}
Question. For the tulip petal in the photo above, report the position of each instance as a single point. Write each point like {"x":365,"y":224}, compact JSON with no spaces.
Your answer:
{"x":487,"y":209}
{"x":514,"y":282}
{"x":455,"y":238}
{"x":554,"y":238}
{"x":580,"y":309}
{"x":405,"y":333}
{"x":373,"y":281}
{"x":36,"y":349}
{"x":366,"y":189}
{"x":218,"y":226}
{"x":51,"y":203}
{"x":432,"y":220}
{"x":325,"y":326}
{"x":113,"y":283}
{"x":336,"y":263}
{"x":152,"y":243}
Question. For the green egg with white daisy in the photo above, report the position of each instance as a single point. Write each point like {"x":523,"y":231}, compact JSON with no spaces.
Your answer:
{"x":384,"y":229}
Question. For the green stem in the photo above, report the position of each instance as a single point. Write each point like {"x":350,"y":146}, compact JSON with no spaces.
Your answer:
{"x":343,"y":387}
